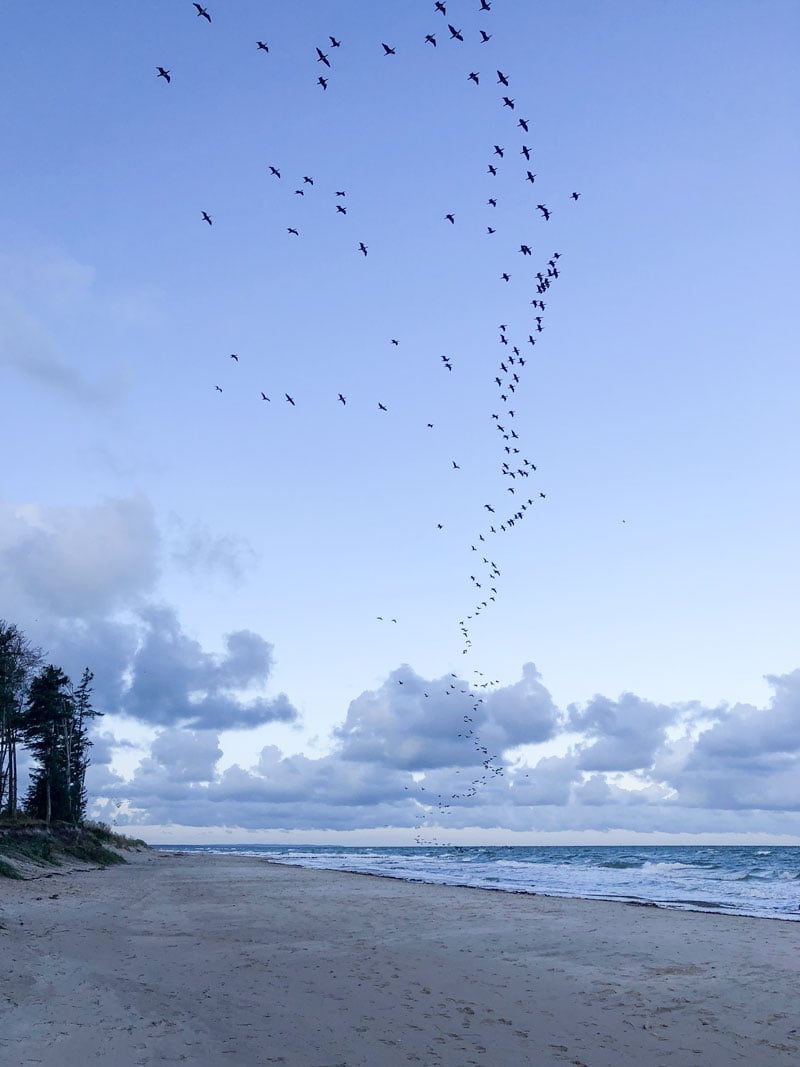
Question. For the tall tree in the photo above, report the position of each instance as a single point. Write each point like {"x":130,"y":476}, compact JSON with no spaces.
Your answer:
{"x":47,"y":728}
{"x":18,"y":660}
{"x":81,"y":743}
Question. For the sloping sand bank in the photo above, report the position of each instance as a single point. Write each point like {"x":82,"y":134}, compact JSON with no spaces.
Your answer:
{"x":214,"y":960}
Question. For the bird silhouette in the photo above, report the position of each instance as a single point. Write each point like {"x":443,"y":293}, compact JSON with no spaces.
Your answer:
{"x":485,"y":36}
{"x":545,"y":211}
{"x":201,"y":12}
{"x":218,"y":388}
{"x":526,"y":152}
{"x":502,"y":79}
{"x":473,"y":77}
{"x":341,"y":210}
{"x":508,"y":102}
{"x":234,"y":356}
{"x":291,"y":229}
{"x":451,"y":218}
{"x":322,"y":81}
{"x":455,"y":35}
{"x":524,"y":124}
{"x":206,"y":218}
{"x":431,"y":38}
{"x":575,"y":197}
{"x":439,"y":6}
{"x":382,"y":407}
{"x":265,"y":397}
{"x":525,"y":250}
{"x":342,"y":399}
{"x":362,"y":248}
{"x":274,"y":171}
{"x":290,"y":399}
{"x":334,"y":42}
{"x":163,"y":74}
{"x":322,"y":58}
{"x":262,"y":45}
{"x":387,"y":51}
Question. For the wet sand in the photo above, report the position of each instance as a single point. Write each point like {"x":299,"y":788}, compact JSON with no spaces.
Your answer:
{"x":220,"y":959}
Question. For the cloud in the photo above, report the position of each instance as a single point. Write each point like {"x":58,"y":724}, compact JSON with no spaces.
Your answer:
{"x":174,"y":681}
{"x":626,"y":764}
{"x":414,"y":723}
{"x":78,"y":562}
{"x":197,"y":550}
{"x":623,"y":734}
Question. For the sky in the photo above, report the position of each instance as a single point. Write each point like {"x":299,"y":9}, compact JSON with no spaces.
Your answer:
{"x":230,"y":567}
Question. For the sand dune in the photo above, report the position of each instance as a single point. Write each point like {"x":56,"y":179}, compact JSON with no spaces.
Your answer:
{"x":213,"y":960}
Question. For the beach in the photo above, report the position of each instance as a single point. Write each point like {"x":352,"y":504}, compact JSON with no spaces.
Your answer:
{"x":200,"y":959}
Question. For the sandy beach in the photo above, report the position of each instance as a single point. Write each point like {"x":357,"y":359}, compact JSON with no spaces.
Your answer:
{"x":214,"y":959}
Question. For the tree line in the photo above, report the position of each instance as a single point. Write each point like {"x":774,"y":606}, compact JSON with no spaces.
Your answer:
{"x":43,"y":712}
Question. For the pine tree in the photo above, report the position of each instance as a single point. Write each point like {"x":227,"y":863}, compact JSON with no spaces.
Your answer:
{"x":18,"y":660}
{"x":48,"y":731}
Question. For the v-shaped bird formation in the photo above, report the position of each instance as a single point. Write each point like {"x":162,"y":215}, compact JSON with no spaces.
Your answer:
{"x":507,"y":371}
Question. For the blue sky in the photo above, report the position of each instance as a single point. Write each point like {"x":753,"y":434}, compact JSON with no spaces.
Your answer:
{"x":146,"y":516}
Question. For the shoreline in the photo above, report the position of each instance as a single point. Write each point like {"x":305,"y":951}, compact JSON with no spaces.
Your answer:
{"x":196,"y":956}
{"x":699,"y":905}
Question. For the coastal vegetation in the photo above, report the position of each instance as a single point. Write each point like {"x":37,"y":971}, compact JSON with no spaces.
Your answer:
{"x":31,"y":847}
{"x":44,"y":714}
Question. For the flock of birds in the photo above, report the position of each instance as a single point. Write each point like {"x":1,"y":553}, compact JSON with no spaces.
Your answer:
{"x":516,"y":349}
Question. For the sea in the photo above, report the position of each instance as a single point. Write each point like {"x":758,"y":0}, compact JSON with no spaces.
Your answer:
{"x":724,"y":879}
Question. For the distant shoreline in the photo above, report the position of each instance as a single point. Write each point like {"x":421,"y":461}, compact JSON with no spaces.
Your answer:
{"x":200,"y":956}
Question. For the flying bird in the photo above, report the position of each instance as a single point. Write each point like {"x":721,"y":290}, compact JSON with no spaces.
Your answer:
{"x":322,"y":81}
{"x":485,"y":5}
{"x":508,"y":102}
{"x":394,"y":340}
{"x":234,"y":356}
{"x":451,"y":218}
{"x":575,"y":197}
{"x":381,"y":406}
{"x":439,"y":6}
{"x":341,"y":210}
{"x":291,"y":229}
{"x":387,"y":51}
{"x":490,"y":230}
{"x":455,"y":35}
{"x":163,"y":74}
{"x":456,"y":466}
{"x":492,"y":201}
{"x":340,"y":192}
{"x":545,"y":211}
{"x":531,"y":177}
{"x":502,"y":79}
{"x":342,"y":399}
{"x":473,"y":77}
{"x":362,"y":247}
{"x":207,"y":218}
{"x":265,"y":397}
{"x":262,"y":45}
{"x":431,"y":38}
{"x":307,"y":180}
{"x":219,"y":390}
{"x":526,"y":152}
{"x":524,"y":124}
{"x":201,"y":11}
{"x":498,"y":151}
{"x":334,"y":42}
{"x":290,"y":399}
{"x":485,"y":36}
{"x":275,"y":171}
{"x":492,"y":170}
{"x":505,"y":277}
{"x":322,"y":58}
